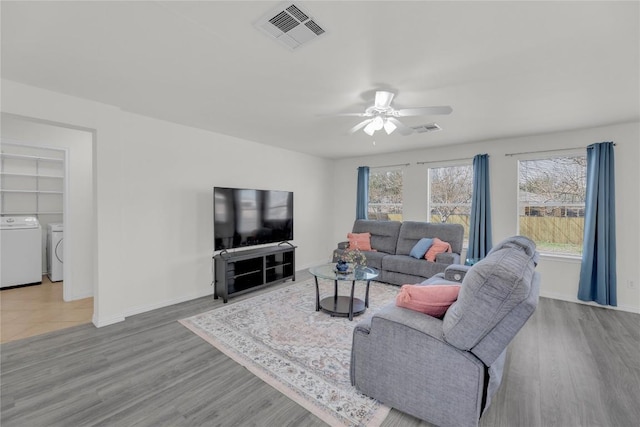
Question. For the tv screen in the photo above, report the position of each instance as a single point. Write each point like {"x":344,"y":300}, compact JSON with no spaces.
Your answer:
{"x":245,"y":217}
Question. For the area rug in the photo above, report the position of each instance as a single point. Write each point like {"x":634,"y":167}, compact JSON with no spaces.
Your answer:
{"x":304,"y":354}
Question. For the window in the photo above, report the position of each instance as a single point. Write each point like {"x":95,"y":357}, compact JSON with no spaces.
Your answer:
{"x":551,"y":203}
{"x":450,"y":193}
{"x":385,"y":194}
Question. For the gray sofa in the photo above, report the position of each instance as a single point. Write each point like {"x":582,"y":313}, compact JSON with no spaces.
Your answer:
{"x":393,"y":241}
{"x":445,"y":371}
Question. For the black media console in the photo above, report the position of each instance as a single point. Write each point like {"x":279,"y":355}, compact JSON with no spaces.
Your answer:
{"x":244,"y":271}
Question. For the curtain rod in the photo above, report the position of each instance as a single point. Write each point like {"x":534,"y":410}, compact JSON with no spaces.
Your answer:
{"x":445,"y":160}
{"x":590,"y":146}
{"x":546,"y":151}
{"x":390,"y":166}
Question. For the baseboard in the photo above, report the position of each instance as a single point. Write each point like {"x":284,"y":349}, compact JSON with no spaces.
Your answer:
{"x":567,"y":298}
{"x":81,"y":296}
{"x":144,"y":308}
{"x":101,"y":322}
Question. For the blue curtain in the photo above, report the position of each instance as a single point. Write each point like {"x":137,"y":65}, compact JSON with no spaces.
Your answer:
{"x":362,"y":198}
{"x":598,"y":271}
{"x":480,"y":227}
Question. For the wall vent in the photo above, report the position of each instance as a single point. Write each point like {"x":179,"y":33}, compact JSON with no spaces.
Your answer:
{"x":429,"y":127}
{"x":290,"y":25}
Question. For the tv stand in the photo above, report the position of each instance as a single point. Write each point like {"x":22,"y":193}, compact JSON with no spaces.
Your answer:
{"x":239,"y":272}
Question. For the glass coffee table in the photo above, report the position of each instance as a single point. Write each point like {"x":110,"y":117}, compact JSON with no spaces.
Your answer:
{"x":343,"y":305}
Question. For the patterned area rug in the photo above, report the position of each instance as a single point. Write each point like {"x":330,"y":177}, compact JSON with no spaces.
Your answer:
{"x":302,"y":353}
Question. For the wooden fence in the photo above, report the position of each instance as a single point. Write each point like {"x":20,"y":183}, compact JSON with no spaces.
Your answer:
{"x":560,"y":230}
{"x":565,"y":230}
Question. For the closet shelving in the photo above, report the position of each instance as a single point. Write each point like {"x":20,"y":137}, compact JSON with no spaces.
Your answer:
{"x":31,"y":185}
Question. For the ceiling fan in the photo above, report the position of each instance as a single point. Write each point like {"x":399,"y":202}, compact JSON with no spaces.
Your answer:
{"x":381,"y":115}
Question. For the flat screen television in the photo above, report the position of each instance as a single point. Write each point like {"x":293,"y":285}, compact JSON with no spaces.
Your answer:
{"x":247,"y":217}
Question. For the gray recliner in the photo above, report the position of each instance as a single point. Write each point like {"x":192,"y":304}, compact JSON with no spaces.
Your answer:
{"x":445,"y":371}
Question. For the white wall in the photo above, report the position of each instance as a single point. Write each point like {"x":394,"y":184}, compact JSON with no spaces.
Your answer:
{"x":560,"y":276}
{"x":78,"y":242}
{"x":153,"y":184}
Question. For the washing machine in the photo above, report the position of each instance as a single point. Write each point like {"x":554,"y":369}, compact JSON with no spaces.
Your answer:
{"x":55,"y":259}
{"x":20,"y":251}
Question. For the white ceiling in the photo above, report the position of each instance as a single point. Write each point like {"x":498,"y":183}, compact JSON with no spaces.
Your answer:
{"x":506,"y":68}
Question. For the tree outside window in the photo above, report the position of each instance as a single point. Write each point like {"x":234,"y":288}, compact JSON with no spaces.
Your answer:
{"x":551,"y":206}
{"x":450,"y":193}
{"x":385,"y":194}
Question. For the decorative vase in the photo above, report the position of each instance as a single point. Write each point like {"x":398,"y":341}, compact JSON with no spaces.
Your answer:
{"x":342,"y":266}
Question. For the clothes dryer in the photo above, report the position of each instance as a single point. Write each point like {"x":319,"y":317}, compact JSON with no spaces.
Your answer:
{"x":21,"y":251}
{"x":55,"y":259}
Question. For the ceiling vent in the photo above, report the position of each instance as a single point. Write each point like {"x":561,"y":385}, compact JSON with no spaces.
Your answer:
{"x":429,"y":127}
{"x":290,"y":25}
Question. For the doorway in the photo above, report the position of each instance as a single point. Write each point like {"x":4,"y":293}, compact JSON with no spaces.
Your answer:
{"x":77,"y":213}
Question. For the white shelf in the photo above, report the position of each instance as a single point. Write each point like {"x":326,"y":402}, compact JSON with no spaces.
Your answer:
{"x":32,"y":183}
{"x":30,"y":213}
{"x":31,"y":191}
{"x":30,"y":175}
{"x":27,"y":157}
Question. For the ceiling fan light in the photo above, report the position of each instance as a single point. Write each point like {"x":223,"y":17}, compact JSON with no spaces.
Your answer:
{"x":389,"y":127}
{"x":370,"y":129}
{"x":378,"y":123}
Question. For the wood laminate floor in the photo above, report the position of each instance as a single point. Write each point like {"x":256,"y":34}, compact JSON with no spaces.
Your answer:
{"x":28,"y":311}
{"x":571,"y":365}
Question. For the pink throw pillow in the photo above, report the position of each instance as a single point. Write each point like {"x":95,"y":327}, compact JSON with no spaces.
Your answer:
{"x":433,"y":300}
{"x":437,"y":247}
{"x":361,"y":241}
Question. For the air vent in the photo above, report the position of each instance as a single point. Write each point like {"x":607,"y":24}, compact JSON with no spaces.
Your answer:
{"x":290,"y":25}
{"x":297,"y":13}
{"x":284,"y":22}
{"x":429,"y":127}
{"x":314,"y":27}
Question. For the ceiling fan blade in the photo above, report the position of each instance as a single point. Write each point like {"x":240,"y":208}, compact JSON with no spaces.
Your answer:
{"x":343,"y":115}
{"x":350,"y":114}
{"x":401,"y":127}
{"x":424,"y":111}
{"x":360,"y":125}
{"x":383,"y":99}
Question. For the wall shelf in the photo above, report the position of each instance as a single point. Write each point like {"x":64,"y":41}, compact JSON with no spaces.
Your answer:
{"x":29,"y":157}
{"x":32,"y":213}
{"x":31,"y":175}
{"x":31,"y":191}
{"x":31,"y":183}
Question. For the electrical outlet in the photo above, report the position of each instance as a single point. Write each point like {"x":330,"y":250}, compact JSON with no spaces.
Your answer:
{"x":631,"y":284}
